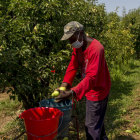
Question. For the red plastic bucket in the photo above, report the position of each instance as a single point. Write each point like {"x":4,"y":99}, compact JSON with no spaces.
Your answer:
{"x":41,"y":123}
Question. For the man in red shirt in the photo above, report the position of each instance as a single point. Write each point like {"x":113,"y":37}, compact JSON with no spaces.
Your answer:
{"x":88,"y":54}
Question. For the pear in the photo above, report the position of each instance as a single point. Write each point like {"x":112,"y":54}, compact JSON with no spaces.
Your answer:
{"x":55,"y":93}
{"x":62,"y":88}
{"x":128,"y":131}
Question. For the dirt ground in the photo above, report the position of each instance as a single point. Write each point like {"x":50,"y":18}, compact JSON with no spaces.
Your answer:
{"x":3,"y":118}
{"x":4,"y":95}
{"x":6,"y":118}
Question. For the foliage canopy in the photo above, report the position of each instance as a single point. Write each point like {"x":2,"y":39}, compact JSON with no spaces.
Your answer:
{"x":30,"y":46}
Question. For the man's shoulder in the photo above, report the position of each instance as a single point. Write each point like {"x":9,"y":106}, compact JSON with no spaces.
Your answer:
{"x":96,"y":45}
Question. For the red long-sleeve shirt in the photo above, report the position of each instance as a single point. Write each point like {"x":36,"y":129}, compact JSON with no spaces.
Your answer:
{"x":95,"y":84}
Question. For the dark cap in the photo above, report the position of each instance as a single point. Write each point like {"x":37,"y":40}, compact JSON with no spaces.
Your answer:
{"x":70,"y":28}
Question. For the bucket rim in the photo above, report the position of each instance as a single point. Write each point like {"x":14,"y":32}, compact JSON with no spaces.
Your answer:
{"x":57,"y":106}
{"x":20,"y":116}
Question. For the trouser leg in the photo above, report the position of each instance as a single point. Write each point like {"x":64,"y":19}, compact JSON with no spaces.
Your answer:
{"x":94,"y":124}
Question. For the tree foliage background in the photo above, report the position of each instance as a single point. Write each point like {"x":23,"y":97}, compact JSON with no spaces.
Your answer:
{"x":30,"y":46}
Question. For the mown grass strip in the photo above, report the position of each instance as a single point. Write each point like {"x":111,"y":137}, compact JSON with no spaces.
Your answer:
{"x":123,"y":91}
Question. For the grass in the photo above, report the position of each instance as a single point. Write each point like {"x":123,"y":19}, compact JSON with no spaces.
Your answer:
{"x":7,"y":104}
{"x":124,"y":83}
{"x":9,"y":121}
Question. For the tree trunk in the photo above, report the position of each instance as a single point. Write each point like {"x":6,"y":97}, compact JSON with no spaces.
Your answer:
{"x":3,"y":88}
{"x":26,"y":105}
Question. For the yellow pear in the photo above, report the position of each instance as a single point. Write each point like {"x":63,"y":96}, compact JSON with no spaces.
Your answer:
{"x":65,"y":138}
{"x":55,"y":93}
{"x":62,"y":88}
{"x":35,"y":29}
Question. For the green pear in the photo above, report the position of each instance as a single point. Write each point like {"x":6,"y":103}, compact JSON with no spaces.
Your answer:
{"x":65,"y":138}
{"x":62,"y":88}
{"x":42,"y":47}
{"x":55,"y":93}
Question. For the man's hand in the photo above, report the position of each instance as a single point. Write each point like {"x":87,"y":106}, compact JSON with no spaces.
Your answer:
{"x":63,"y":95}
{"x":66,"y":85}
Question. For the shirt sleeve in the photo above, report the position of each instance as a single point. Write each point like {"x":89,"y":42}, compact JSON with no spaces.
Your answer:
{"x":72,"y":69}
{"x":92,"y":71}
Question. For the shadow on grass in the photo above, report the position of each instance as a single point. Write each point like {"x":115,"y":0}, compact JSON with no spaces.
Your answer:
{"x":123,"y":137}
{"x":130,"y":72}
{"x":133,"y":66}
{"x":119,"y":89}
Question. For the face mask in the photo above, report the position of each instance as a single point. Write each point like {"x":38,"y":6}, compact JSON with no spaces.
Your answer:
{"x":77,"y":44}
